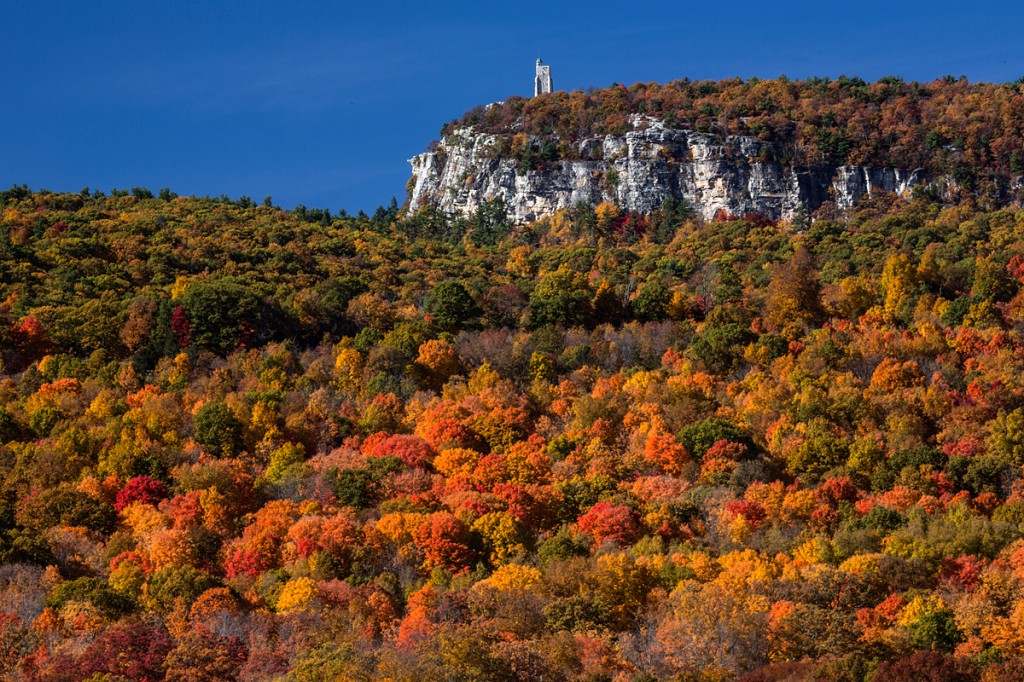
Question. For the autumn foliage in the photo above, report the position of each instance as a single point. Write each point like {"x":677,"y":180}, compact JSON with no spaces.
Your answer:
{"x":243,"y":443}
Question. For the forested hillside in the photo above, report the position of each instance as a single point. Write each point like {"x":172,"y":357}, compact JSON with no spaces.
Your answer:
{"x":243,"y":443}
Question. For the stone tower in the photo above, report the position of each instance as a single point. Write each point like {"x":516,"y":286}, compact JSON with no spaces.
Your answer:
{"x":542,"y":83}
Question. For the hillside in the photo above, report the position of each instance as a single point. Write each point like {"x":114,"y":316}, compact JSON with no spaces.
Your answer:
{"x":777,"y":148}
{"x":243,"y":443}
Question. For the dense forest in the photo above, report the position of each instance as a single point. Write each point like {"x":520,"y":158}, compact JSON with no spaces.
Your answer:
{"x":238,"y":442}
{"x":969,"y":132}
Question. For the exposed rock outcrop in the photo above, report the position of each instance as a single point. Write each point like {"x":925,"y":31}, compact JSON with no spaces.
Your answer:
{"x":638,"y":171}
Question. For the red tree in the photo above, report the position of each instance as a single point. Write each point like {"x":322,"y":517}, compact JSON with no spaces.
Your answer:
{"x":753,"y":512}
{"x":445,"y":541}
{"x":607,"y":522}
{"x":412,"y":450}
{"x":140,"y":489}
{"x":136,"y":652}
{"x":181,"y":327}
{"x":925,"y":666}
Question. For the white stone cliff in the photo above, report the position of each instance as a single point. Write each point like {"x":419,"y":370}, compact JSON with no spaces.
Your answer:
{"x":638,"y":171}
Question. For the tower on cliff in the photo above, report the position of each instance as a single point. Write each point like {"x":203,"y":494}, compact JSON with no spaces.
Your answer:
{"x":542,"y":83}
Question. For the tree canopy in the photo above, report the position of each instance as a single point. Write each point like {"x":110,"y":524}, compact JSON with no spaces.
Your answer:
{"x":238,"y":442}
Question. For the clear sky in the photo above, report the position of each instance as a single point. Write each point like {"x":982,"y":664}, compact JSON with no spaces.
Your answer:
{"x":322,"y":103}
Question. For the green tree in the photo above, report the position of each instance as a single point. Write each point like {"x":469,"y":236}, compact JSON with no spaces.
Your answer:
{"x":110,"y":604}
{"x":217,"y":427}
{"x":562,"y":298}
{"x":490,"y":224}
{"x":698,"y":437}
{"x":223,"y":315}
{"x":936,"y":630}
{"x":650,"y":301}
{"x":720,"y":347}
{"x":451,"y":305}
{"x":170,"y":583}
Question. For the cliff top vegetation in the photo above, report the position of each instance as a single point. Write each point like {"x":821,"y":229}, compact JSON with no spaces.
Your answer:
{"x":971,"y":132}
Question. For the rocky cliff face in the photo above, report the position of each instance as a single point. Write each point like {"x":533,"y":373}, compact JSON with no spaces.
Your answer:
{"x":638,"y":171}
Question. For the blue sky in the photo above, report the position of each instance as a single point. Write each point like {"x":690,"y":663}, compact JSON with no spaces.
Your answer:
{"x":322,"y":103}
